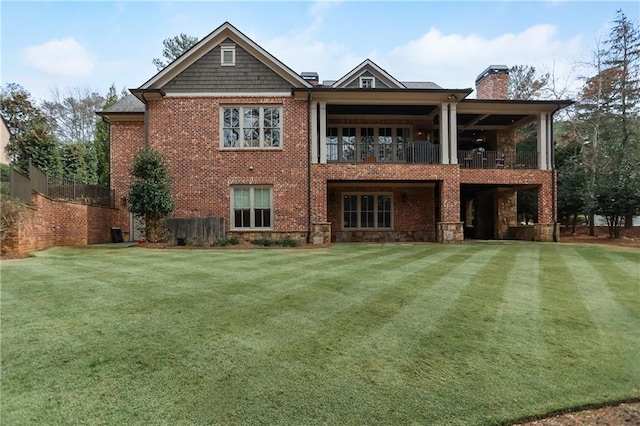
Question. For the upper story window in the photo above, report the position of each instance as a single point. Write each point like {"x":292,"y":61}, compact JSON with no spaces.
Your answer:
{"x":227,"y":55}
{"x":251,"y":127}
{"x":367,"y":82}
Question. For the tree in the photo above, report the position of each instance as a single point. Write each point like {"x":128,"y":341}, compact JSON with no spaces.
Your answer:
{"x":525,"y":83}
{"x":174,"y":47}
{"x":617,"y":194}
{"x":572,"y":190}
{"x":101,"y":138}
{"x":149,"y":194}
{"x":32,"y":138}
{"x":623,"y":59}
{"x":72,"y":114}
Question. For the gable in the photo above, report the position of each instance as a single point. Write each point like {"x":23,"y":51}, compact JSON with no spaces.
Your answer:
{"x":383,"y":80}
{"x":196,"y":69}
{"x":207,"y":74}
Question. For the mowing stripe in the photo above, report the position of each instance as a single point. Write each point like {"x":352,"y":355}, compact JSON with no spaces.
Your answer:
{"x":600,"y":301}
{"x":409,"y":330}
{"x":619,"y":271}
{"x":306,"y":306}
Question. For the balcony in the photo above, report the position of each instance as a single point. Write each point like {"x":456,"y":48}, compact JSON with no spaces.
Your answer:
{"x":479,"y":159}
{"x":408,"y":152}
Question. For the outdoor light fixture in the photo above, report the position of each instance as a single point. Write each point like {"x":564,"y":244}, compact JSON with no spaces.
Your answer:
{"x":250,"y":168}
{"x":404,"y":197}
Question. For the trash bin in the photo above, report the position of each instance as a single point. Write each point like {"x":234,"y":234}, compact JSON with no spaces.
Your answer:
{"x":181,"y":241}
{"x":116,"y":235}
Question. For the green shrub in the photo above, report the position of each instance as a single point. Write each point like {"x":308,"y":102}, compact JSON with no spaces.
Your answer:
{"x":226,"y":242}
{"x":263,"y":242}
{"x":288,"y":242}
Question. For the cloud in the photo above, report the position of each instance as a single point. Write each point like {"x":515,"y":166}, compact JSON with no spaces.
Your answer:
{"x":63,"y":57}
{"x":454,"y":60}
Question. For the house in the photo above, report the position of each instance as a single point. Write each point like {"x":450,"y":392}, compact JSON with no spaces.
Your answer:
{"x":365,"y":157}
{"x":5,"y":136}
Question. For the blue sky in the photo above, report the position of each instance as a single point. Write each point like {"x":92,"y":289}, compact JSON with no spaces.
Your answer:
{"x":62,"y":45}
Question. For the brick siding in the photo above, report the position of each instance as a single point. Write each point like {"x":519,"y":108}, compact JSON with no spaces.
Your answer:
{"x":48,"y":223}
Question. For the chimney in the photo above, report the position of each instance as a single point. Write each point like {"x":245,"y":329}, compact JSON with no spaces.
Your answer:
{"x":492,"y":83}
{"x":311,"y":77}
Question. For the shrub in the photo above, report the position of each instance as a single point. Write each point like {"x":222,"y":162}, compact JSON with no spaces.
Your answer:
{"x":11,"y":216}
{"x":227,"y":242}
{"x":263,"y":242}
{"x":288,"y":242}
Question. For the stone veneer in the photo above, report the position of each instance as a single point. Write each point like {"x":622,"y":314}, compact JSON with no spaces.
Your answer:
{"x":450,"y":232}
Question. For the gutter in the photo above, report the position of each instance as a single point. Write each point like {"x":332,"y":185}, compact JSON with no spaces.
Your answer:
{"x":308,"y":166}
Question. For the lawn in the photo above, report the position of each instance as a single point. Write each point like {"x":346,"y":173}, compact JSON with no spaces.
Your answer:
{"x":478,"y":333}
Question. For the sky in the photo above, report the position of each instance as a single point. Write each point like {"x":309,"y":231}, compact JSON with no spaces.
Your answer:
{"x":92,"y":45}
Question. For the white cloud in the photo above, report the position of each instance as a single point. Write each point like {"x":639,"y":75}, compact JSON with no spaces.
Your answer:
{"x":455,"y":60}
{"x":63,"y":57}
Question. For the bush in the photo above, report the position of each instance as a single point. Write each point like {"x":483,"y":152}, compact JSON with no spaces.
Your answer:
{"x":265,"y":242}
{"x":227,"y":242}
{"x":11,"y":216}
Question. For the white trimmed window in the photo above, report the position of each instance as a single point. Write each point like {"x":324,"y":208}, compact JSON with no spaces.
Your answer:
{"x":367,"y":211}
{"x":227,"y":55}
{"x":367,"y":82}
{"x":251,"y":207}
{"x":251,"y":127}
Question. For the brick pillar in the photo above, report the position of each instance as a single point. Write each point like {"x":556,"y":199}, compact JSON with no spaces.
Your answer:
{"x":450,"y":228}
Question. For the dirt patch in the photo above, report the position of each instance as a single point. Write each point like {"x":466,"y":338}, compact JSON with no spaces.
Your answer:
{"x":630,"y":237}
{"x":621,"y":414}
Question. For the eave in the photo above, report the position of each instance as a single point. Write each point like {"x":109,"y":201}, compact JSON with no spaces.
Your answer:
{"x":381,"y":96}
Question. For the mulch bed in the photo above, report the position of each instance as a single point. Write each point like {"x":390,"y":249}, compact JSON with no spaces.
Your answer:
{"x":621,"y":414}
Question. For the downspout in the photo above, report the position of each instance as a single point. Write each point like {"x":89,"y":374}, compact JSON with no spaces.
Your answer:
{"x":146,"y":120}
{"x":554,"y":201}
{"x":308,"y":166}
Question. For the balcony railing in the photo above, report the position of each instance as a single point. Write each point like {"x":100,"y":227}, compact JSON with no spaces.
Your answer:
{"x":478,"y":159}
{"x":410,"y":152}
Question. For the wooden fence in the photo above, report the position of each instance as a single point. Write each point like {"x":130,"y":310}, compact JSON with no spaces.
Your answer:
{"x":197,"y":229}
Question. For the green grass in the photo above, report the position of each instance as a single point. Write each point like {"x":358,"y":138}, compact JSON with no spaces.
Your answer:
{"x":480,"y":333}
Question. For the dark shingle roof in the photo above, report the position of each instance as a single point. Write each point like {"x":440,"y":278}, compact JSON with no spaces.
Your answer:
{"x":421,"y":85}
{"x":127,"y":104}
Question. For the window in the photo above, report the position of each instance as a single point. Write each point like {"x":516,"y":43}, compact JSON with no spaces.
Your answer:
{"x":367,"y":211}
{"x":367,"y":82}
{"x":251,"y":207}
{"x":251,"y":127}
{"x":357,"y":144}
{"x":227,"y":56}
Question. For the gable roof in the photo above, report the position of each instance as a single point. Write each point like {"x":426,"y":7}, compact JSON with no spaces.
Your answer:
{"x":215,"y":38}
{"x":369,"y":65}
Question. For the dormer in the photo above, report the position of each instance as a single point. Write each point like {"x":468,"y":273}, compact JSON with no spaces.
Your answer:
{"x":368,"y":75}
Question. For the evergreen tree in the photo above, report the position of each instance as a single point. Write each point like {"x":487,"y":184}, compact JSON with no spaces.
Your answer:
{"x":150,"y":194}
{"x":174,"y":47}
{"x":101,"y":139}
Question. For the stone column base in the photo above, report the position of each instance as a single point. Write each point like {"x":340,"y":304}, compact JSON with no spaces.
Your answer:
{"x":321,"y":233}
{"x":544,"y":232}
{"x":450,"y":232}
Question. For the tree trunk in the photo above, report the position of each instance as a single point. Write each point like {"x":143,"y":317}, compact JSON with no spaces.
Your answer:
{"x":628,"y":221}
{"x":592,"y":224}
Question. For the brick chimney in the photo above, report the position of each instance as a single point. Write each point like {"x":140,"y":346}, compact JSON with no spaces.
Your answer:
{"x":492,"y":83}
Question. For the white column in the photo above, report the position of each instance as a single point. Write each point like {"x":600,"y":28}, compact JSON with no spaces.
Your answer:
{"x":323,"y":132}
{"x":444,"y":133}
{"x":542,"y":141}
{"x":453,"y":135}
{"x":313,"y":111}
{"x":550,"y":141}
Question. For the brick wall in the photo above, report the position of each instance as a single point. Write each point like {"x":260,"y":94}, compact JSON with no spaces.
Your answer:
{"x":185,"y":130}
{"x":127,"y":137}
{"x":48,"y":223}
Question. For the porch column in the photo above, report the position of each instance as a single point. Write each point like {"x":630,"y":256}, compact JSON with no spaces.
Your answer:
{"x":313,"y":112}
{"x":541,"y":130}
{"x":453,"y":134}
{"x":444,"y":133}
{"x":323,"y":132}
